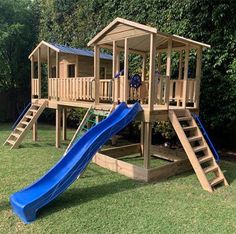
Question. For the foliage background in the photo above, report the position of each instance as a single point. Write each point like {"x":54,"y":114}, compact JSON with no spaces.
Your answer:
{"x":74,"y":22}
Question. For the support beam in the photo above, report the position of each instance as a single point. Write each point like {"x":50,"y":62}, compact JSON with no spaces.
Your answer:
{"x":39,"y":72}
{"x":114,"y":71}
{"x":64,"y":124}
{"x":198,"y":77}
{"x":32,"y":75}
{"x":76,"y":66}
{"x":35,"y":131}
{"x":185,"y":82}
{"x":58,"y":128}
{"x":152,"y":71}
{"x":57,"y":74}
{"x":96,"y":72}
{"x":126,"y":72}
{"x":49,"y":69}
{"x":146,"y":144}
{"x":168,"y":72}
{"x":144,"y":64}
{"x":180,"y":64}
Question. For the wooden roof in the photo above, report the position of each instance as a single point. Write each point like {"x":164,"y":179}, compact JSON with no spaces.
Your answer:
{"x":67,"y":50}
{"x":139,"y":36}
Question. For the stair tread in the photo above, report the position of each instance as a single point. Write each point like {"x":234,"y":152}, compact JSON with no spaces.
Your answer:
{"x":210,"y":169}
{"x":216,"y":181}
{"x":11,"y":142}
{"x":29,"y":116}
{"x":199,"y":148}
{"x":194,"y":138}
{"x":189,"y":128}
{"x":185,"y":118}
{"x":24,"y":122}
{"x":15,"y":135}
{"x":20,"y":129}
{"x":205,"y":159}
{"x":33,"y":110}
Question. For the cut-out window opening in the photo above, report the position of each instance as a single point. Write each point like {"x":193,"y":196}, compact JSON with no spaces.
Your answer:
{"x":71,"y":70}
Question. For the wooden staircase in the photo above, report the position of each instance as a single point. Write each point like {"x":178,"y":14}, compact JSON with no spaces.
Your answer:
{"x":200,"y":156}
{"x":25,"y":124}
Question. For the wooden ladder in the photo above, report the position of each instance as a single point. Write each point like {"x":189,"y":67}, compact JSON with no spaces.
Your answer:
{"x":25,"y":124}
{"x":87,"y":122}
{"x":200,"y":156}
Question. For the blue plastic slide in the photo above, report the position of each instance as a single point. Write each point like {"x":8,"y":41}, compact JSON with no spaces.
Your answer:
{"x":28,"y":201}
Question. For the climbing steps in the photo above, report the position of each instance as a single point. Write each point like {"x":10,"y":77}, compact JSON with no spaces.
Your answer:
{"x":90,"y":119}
{"x":200,"y":156}
{"x":25,"y":124}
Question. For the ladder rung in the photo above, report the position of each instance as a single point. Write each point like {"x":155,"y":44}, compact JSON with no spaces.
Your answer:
{"x":185,"y":118}
{"x":205,"y":159}
{"x":210,"y":169}
{"x":20,"y":129}
{"x":15,"y":135}
{"x":216,"y":181}
{"x":189,"y":128}
{"x":33,"y":110}
{"x":24,"y":122}
{"x":11,"y":142}
{"x":194,"y":138}
{"x":29,"y":116}
{"x":199,"y":148}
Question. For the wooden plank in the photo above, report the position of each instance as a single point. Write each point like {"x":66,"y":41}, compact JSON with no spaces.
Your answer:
{"x":35,"y":131}
{"x":147,"y":137}
{"x":57,"y":75}
{"x":121,"y":167}
{"x":58,"y":128}
{"x":185,"y":81}
{"x":64,"y":124}
{"x":126,"y":72}
{"x":39,"y":73}
{"x":114,"y":70}
{"x":121,"y":151}
{"x":168,"y":72}
{"x":152,"y":71}
{"x":96,"y":72}
{"x":198,"y":77}
{"x":166,"y":171}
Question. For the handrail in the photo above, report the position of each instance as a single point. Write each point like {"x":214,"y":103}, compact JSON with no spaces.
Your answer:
{"x":21,"y":115}
{"x":206,"y":136}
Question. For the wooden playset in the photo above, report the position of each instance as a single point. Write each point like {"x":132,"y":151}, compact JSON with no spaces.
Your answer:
{"x":167,"y":91}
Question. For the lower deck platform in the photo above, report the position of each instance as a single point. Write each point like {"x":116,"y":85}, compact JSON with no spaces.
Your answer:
{"x":160,"y":112}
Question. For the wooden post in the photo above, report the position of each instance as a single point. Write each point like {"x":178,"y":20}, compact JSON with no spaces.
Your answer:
{"x":185,"y":81}
{"x":152,"y":71}
{"x":118,"y":70}
{"x":57,"y":74}
{"x":32,"y":75}
{"x":58,"y":127}
{"x":114,"y":71}
{"x":180,"y":64}
{"x":35,"y":131}
{"x":49,"y":67}
{"x":159,"y":62}
{"x":76,"y":66}
{"x":144,"y":70}
{"x":39,"y":72}
{"x":96,"y":72}
{"x":126,"y":72}
{"x":198,"y":77}
{"x":168,"y":72}
{"x":146,"y":137}
{"x":64,"y":124}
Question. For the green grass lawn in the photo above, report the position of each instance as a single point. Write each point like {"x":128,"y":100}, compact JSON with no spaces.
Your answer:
{"x":105,"y":202}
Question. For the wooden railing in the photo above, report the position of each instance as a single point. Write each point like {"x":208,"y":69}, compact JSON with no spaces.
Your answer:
{"x":82,"y":88}
{"x":71,"y":89}
{"x":35,"y":87}
{"x":106,"y":89}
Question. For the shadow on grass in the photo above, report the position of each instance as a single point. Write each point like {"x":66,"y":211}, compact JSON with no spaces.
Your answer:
{"x":75,"y":196}
{"x":5,"y":205}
